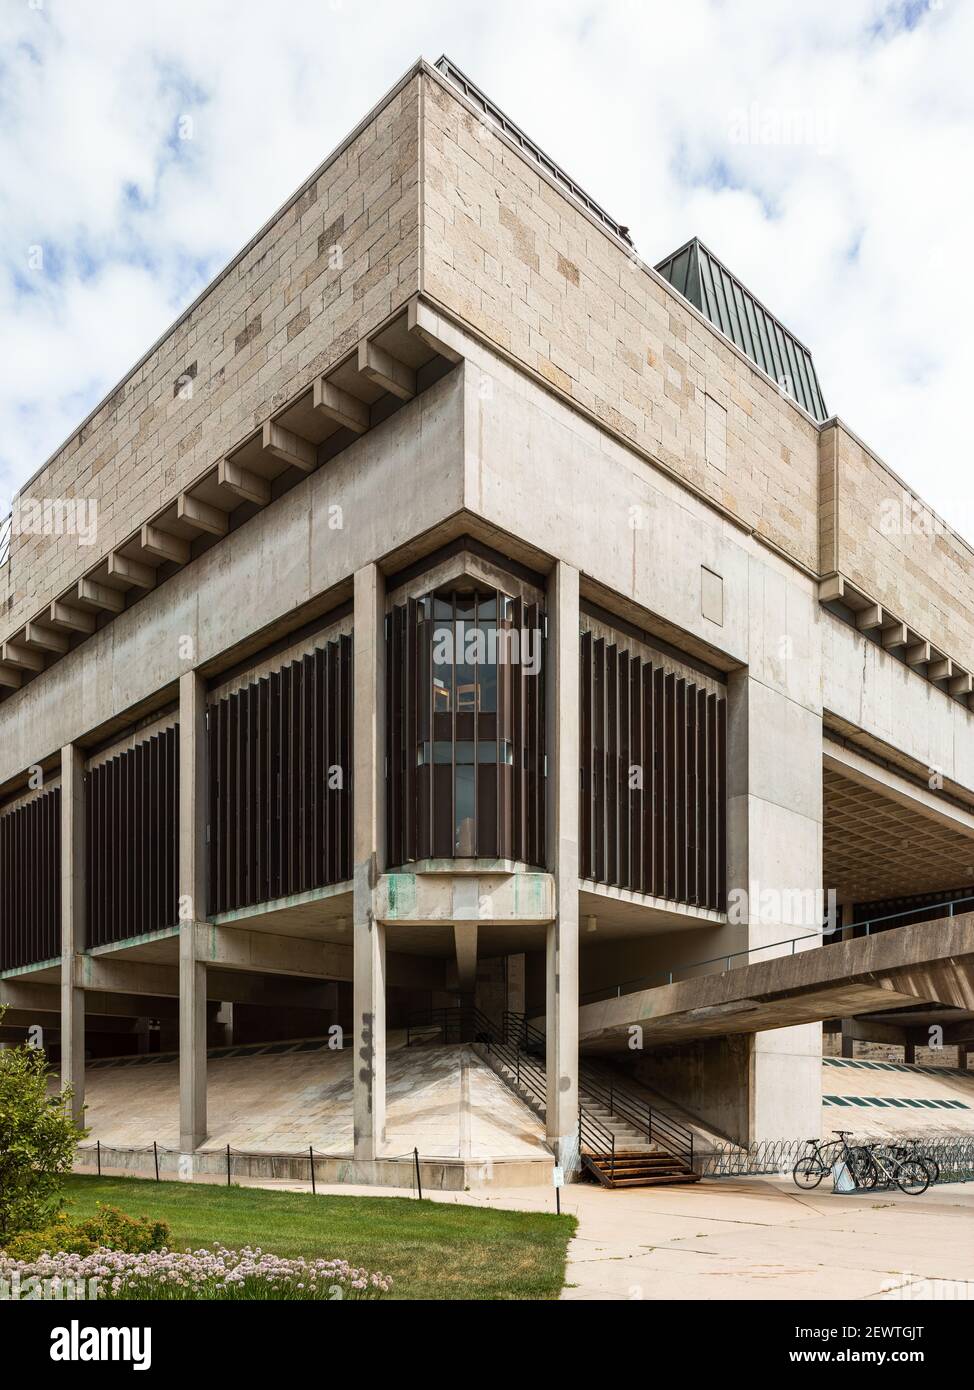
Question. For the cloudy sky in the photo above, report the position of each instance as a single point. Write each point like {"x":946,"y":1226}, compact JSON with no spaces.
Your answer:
{"x":822,"y":150}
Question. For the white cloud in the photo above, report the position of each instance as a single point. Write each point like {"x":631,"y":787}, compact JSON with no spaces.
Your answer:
{"x":857,"y":239}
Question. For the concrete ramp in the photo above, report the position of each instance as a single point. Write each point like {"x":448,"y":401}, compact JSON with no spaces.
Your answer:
{"x":880,"y":1100}
{"x":279,"y":1098}
{"x":927,"y":962}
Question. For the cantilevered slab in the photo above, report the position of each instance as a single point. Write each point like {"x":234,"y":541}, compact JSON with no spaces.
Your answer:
{"x":926,"y":962}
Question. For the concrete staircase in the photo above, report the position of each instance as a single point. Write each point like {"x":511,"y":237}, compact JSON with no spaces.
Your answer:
{"x":618,"y":1145}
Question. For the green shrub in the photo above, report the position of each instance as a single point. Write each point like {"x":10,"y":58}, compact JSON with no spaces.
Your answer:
{"x":110,"y":1229}
{"x":37,"y":1141}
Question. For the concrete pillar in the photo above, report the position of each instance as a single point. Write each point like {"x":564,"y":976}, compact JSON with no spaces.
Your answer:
{"x":561,"y":1014}
{"x":774,"y":876}
{"x":72,"y":925}
{"x":962,"y":1057}
{"x":515,"y":983}
{"x":848,"y":1039}
{"x":192,"y":909}
{"x":368,"y":836}
{"x":909,"y":1052}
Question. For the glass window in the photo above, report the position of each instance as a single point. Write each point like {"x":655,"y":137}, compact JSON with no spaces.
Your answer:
{"x":465,"y":802}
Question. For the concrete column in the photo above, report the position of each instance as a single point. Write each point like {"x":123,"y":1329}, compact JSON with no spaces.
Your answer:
{"x":72,"y":925}
{"x":515,"y":983}
{"x":774,"y":876}
{"x":192,"y":909}
{"x":848,"y":1038}
{"x":368,"y":834}
{"x":909,"y":1052}
{"x":962,"y":1057}
{"x":561,"y":1018}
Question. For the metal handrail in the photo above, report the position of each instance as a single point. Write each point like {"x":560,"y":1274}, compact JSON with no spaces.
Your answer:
{"x":668,"y":976}
{"x":669,"y":1134}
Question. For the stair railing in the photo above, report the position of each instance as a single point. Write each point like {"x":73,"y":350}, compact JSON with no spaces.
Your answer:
{"x":672,"y":1136}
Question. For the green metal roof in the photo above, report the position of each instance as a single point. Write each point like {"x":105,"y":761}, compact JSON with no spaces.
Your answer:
{"x":710,"y":287}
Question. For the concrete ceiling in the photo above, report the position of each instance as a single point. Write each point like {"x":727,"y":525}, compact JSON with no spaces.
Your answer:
{"x":875,"y":847}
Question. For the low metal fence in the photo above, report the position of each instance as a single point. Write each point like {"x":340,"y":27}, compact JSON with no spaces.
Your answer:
{"x":955,"y":1157}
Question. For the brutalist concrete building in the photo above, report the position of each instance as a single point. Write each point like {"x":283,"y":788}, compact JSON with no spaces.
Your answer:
{"x":458,"y":623}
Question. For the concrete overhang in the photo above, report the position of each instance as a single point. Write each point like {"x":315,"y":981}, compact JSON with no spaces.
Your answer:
{"x":885,"y":836}
{"x":929,"y":962}
{"x":620,"y":914}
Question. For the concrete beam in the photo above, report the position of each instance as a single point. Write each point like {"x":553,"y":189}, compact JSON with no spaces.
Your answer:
{"x":10,"y":679}
{"x":64,"y":618}
{"x":342,"y":407}
{"x":43,"y":639}
{"x":116,"y":976}
{"x":961,"y":683}
{"x":20,"y":657}
{"x":265,"y":953}
{"x":100,"y":596}
{"x":385,"y":370}
{"x":897,"y":635}
{"x":423,"y":323}
{"x":130,"y":573}
{"x":242,"y":483}
{"x":201,"y":515}
{"x":918,"y":653}
{"x":289,"y":447}
{"x":832,"y":589}
{"x":164,"y":546}
{"x":869,"y":618}
{"x":940,"y":670}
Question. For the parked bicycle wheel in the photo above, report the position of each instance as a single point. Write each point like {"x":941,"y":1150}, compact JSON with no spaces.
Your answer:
{"x":912,"y":1177}
{"x":808,"y":1173}
{"x":864,"y":1172}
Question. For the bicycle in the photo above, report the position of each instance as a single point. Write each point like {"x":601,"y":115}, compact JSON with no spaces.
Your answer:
{"x":910,"y":1148}
{"x":812,"y":1167}
{"x":910,"y":1174}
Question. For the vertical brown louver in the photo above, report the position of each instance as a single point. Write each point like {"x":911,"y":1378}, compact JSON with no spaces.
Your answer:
{"x":465,"y":739}
{"x":653,"y":782}
{"x":280,"y":755}
{"x":131,"y":841}
{"x":30,"y":882}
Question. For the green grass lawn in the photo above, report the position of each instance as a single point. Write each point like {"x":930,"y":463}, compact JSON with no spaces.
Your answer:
{"x":432,"y":1249}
